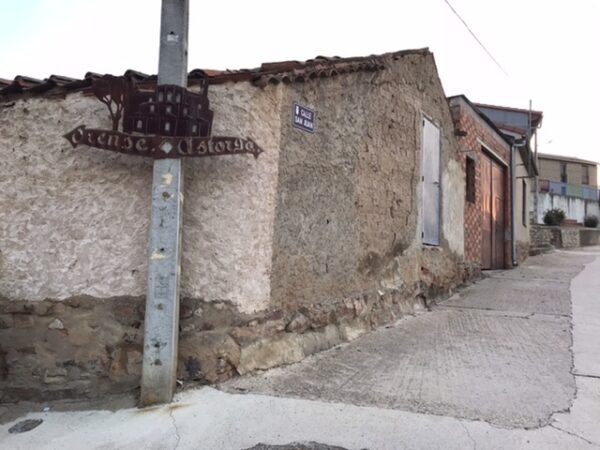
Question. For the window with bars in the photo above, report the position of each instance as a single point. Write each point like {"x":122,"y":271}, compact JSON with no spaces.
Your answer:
{"x":470,"y":188}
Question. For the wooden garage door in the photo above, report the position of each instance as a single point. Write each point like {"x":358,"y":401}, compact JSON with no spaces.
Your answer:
{"x":492,"y":228}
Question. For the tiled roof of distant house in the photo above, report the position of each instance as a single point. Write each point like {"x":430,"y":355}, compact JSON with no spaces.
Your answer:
{"x":566,"y":159}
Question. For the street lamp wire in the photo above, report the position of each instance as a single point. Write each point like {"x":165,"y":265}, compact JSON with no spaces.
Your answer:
{"x":475,"y":37}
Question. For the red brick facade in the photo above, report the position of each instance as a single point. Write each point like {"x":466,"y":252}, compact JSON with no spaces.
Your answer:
{"x":476,"y":138}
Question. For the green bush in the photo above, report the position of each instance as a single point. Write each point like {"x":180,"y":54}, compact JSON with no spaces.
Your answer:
{"x":554,"y":216}
{"x":590,"y":221}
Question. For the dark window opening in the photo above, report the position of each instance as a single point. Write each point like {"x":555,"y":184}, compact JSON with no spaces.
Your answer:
{"x":585,"y":175}
{"x":563,"y":172}
{"x":470,"y":180}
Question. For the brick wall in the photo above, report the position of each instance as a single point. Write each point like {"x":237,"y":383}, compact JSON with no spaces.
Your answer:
{"x":468,"y":121}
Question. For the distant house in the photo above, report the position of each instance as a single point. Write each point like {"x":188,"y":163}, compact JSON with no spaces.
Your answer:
{"x":568,"y":170}
{"x":570,"y":184}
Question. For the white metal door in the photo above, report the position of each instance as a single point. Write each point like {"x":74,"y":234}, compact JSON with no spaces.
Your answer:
{"x":431,"y":183}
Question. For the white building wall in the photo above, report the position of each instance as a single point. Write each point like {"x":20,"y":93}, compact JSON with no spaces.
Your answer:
{"x":575,"y":208}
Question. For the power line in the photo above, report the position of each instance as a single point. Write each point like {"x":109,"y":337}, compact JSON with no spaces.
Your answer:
{"x":475,"y":37}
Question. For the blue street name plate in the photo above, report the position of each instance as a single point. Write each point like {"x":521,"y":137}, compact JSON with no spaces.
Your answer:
{"x":303,"y":118}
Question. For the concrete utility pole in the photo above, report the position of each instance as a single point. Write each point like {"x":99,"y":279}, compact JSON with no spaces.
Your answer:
{"x":161,"y":325}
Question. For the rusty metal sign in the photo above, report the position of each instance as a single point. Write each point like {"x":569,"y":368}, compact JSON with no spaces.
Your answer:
{"x":161,"y":146}
{"x":167,"y":122}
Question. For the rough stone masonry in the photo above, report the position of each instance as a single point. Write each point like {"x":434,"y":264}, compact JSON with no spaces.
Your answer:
{"x":314,"y":243}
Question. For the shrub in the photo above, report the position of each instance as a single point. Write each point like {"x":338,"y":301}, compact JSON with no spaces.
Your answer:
{"x":590,"y":221}
{"x":554,"y":216}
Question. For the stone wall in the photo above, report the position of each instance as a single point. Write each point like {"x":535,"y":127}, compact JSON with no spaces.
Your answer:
{"x":347,"y":217}
{"x":314,"y":243}
{"x":523,"y":251}
{"x":82,"y":346}
{"x":89,"y":347}
{"x":544,"y":236}
{"x":589,"y":236}
{"x":569,"y":237}
{"x":563,"y":237}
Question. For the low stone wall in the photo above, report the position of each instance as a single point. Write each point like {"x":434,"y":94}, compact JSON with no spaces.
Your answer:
{"x":570,"y":237}
{"x":589,"y":236}
{"x":543,"y":236}
{"x":89,"y":347}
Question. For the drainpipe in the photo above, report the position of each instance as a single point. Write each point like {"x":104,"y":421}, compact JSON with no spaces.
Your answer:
{"x":513,"y":190}
{"x":531,"y":159}
{"x":513,"y":200}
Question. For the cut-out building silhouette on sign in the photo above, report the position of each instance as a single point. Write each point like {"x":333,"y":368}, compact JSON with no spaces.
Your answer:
{"x":169,"y":111}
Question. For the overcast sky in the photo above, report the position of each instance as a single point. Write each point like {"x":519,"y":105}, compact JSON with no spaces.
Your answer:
{"x":549,"y":49}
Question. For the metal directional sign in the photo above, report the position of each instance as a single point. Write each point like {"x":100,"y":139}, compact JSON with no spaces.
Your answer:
{"x":168,"y":122}
{"x":160,"y":146}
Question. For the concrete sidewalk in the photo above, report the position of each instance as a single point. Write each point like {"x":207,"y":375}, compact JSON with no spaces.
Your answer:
{"x":501,"y":365}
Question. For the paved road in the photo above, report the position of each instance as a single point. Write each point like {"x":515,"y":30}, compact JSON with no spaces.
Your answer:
{"x":501,"y":365}
{"x":499,"y":351}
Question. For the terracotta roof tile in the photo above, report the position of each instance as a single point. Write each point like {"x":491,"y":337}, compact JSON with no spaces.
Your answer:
{"x":135,"y":75}
{"x":273,"y":72}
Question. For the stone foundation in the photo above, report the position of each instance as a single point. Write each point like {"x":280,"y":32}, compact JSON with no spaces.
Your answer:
{"x":87,"y":347}
{"x":523,"y":248}
{"x":73,"y":348}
